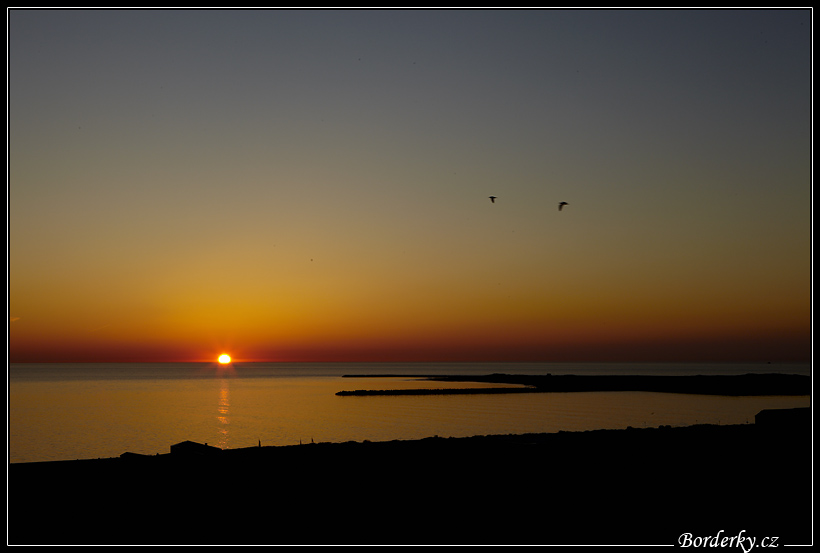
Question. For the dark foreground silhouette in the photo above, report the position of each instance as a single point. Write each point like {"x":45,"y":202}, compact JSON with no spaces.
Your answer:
{"x":630,"y":486}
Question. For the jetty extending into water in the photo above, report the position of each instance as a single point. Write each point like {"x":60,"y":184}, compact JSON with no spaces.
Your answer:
{"x":730,"y":385}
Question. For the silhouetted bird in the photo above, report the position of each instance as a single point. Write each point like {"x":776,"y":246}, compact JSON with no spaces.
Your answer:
{"x":492,"y":199}
{"x":561,"y":205}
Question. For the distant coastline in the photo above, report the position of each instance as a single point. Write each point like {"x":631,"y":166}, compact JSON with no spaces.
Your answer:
{"x":752,"y":384}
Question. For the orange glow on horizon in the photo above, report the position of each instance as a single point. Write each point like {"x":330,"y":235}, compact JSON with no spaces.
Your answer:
{"x":538,"y":341}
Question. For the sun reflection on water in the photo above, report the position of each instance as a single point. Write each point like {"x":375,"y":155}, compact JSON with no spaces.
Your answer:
{"x":223,"y":413}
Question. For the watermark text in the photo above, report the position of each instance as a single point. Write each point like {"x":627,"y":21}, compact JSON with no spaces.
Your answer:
{"x":745,"y":542}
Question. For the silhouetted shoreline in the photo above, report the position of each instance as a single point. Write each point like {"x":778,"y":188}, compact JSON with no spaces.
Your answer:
{"x":730,"y":385}
{"x":629,"y":486}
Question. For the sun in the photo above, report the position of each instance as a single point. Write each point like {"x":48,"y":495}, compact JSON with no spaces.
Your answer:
{"x":224,"y":359}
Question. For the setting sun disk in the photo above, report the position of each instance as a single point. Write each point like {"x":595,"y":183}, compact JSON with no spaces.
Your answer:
{"x":224,"y":358}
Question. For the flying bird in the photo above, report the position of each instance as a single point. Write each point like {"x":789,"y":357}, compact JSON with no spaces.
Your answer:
{"x":561,"y":205}
{"x":492,"y":199}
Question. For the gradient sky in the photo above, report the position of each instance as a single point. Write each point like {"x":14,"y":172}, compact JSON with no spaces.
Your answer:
{"x":313,"y":185}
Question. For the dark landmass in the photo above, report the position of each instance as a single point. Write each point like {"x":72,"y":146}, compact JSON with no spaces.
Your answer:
{"x":607,"y":487}
{"x":728,"y":385}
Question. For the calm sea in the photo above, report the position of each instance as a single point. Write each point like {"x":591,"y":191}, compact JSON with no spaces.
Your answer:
{"x":84,"y":411}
